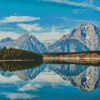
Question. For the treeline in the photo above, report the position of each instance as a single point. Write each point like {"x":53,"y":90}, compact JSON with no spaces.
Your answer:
{"x":10,"y":54}
{"x":65,"y":53}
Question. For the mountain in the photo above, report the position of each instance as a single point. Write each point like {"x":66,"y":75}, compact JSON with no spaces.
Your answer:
{"x":6,"y":40}
{"x":84,"y":38}
{"x":30,"y":43}
{"x":88,"y":34}
{"x":25,"y":42}
{"x":68,"y":45}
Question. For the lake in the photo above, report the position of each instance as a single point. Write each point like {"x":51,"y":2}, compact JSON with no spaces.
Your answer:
{"x":49,"y":81}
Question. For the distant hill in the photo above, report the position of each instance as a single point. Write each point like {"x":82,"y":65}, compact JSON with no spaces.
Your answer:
{"x":6,"y":40}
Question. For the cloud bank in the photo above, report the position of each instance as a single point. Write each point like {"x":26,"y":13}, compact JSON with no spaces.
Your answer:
{"x":12,"y":35}
{"x":11,"y":19}
{"x":30,"y":27}
{"x":18,"y":95}
{"x":11,"y":79}
{"x":43,"y":33}
{"x":82,"y":4}
{"x":43,"y":79}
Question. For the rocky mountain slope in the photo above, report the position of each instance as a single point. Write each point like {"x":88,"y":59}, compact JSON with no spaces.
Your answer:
{"x":68,"y":45}
{"x":25,"y":42}
{"x":83,"y":38}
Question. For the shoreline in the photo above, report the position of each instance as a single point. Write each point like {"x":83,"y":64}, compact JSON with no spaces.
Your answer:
{"x":21,"y":60}
{"x":55,"y":58}
{"x":85,"y":61}
{"x":70,"y":58}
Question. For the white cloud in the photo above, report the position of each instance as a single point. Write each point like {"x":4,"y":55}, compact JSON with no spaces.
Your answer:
{"x":16,"y":14}
{"x":44,"y":33}
{"x":18,"y":19}
{"x":76,"y":11}
{"x":83,"y":4}
{"x":31,"y":86}
{"x":18,"y":95}
{"x":12,"y":35}
{"x":11,"y":79}
{"x":53,"y":34}
{"x":76,"y":22}
{"x":91,"y":1}
{"x":43,"y":79}
{"x":30,"y":27}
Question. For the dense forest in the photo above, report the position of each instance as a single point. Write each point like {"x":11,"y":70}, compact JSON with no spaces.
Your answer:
{"x":12,"y":53}
{"x":65,"y":53}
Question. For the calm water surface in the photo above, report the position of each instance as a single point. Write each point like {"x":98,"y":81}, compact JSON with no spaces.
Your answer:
{"x":51,"y":82}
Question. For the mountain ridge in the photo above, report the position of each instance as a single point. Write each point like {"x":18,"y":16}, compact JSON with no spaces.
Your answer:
{"x":85,"y":37}
{"x":25,"y":42}
{"x":88,"y":35}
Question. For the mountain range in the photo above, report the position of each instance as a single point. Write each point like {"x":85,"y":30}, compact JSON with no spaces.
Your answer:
{"x":25,"y":42}
{"x":84,"y":38}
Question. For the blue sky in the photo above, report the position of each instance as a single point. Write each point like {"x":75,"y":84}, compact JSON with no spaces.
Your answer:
{"x":46,"y":19}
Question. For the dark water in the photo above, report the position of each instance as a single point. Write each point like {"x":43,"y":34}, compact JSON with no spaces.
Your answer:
{"x":49,"y":82}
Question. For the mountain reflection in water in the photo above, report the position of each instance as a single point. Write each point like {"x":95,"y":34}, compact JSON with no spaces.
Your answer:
{"x":50,"y":81}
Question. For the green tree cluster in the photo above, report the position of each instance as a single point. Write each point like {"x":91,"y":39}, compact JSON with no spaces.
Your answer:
{"x":12,"y":53}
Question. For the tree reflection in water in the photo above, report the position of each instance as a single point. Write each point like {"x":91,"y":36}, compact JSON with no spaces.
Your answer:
{"x":18,"y":65}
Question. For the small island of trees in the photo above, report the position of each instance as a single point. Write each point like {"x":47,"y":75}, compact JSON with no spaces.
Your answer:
{"x":14,"y":54}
